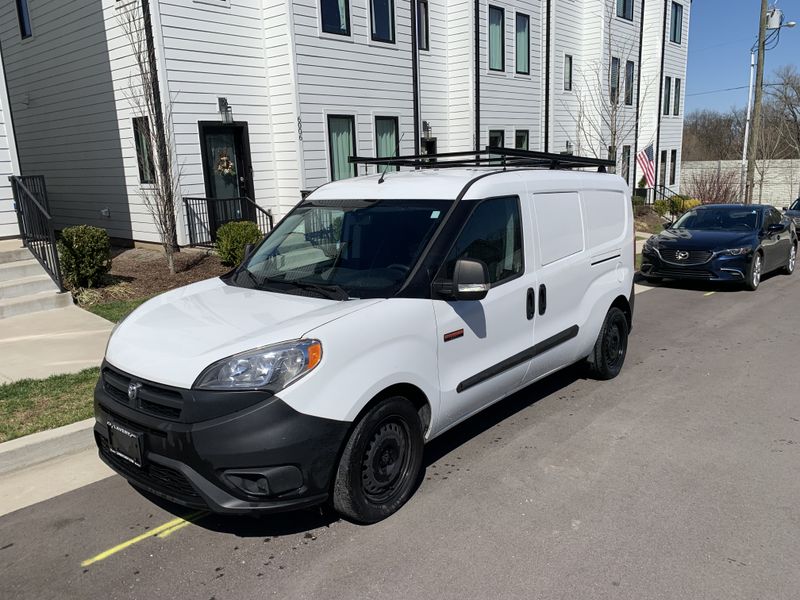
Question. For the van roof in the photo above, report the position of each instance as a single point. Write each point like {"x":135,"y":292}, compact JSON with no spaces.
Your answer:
{"x":448,"y":184}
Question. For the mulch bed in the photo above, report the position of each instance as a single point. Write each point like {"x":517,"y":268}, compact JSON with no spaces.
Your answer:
{"x":141,"y":273}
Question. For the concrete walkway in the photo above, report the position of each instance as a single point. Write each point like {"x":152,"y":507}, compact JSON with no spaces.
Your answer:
{"x":51,"y":342}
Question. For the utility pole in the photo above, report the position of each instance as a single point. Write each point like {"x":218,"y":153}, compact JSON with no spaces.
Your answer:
{"x":756,"y":127}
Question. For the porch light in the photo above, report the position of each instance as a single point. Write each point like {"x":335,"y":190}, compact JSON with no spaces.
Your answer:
{"x":225,"y":110}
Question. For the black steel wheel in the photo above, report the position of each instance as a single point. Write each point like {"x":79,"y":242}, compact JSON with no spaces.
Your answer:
{"x":381,"y":462}
{"x":611,"y":346}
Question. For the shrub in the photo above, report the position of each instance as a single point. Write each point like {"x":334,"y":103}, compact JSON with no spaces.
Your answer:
{"x":661,"y":207}
{"x":232,"y":239}
{"x":85,"y":255}
{"x":680,"y":204}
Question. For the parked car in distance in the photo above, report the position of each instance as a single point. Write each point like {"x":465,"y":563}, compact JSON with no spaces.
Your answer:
{"x":379,"y":313}
{"x":722,"y":242}
{"x":793,"y":212}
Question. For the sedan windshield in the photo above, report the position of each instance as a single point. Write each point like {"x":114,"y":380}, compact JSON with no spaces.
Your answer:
{"x":719,"y":219}
{"x":342,"y":249}
{"x":795,"y":205}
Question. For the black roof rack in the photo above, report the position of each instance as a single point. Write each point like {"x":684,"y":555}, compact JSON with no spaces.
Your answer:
{"x":491,"y":156}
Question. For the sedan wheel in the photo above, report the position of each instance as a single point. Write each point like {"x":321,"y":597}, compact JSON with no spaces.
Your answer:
{"x":790,"y":263}
{"x":754,"y":276}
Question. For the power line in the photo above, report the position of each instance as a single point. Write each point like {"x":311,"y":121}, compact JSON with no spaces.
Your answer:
{"x":730,"y":89}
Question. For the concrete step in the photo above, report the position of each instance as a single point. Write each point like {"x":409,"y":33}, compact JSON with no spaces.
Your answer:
{"x":25,"y":286}
{"x":20,"y":268}
{"x":14,"y":254}
{"x":48,"y":300}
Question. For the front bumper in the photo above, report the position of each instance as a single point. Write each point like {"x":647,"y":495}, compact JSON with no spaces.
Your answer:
{"x":718,"y":268}
{"x":292,"y":455}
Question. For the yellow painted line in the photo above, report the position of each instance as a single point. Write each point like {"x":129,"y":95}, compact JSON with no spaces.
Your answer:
{"x":709,"y":293}
{"x":166,"y":528}
{"x":172,"y":530}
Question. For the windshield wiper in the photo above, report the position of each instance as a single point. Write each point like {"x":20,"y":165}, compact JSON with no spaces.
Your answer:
{"x":252,"y":277}
{"x":331,"y":291}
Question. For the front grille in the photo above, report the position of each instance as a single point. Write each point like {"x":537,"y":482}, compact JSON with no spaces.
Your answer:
{"x":162,"y":479}
{"x":695,"y":257}
{"x":681,"y":273}
{"x":151,"y":398}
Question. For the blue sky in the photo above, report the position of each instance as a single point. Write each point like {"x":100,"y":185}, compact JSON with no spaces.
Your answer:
{"x":721,"y":34}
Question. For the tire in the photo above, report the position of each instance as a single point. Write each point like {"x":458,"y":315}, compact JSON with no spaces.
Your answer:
{"x":366,"y":491}
{"x":788,"y":269}
{"x":606,"y":360}
{"x":754,"y":272}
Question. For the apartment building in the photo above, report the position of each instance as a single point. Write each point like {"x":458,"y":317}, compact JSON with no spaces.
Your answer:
{"x":9,"y":165}
{"x":268,"y":98}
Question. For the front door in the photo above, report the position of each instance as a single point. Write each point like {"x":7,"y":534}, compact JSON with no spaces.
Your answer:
{"x":226,"y":160}
{"x":484,"y":345}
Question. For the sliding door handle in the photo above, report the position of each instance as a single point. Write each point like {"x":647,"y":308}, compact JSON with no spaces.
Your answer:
{"x":542,"y":299}
{"x":530,"y":304}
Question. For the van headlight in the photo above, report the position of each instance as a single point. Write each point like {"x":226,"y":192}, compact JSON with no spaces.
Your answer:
{"x":270,"y":367}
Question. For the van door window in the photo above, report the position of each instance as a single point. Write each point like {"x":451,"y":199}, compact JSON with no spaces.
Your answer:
{"x":492,"y":234}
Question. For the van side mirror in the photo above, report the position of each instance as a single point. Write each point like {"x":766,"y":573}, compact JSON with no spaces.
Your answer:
{"x":470,"y":280}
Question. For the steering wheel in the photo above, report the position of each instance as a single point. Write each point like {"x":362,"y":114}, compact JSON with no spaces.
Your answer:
{"x":398,"y":267}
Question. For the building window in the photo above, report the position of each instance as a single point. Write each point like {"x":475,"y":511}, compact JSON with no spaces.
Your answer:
{"x":614,"y":83}
{"x":382,"y":14}
{"x":568,"y":72}
{"x":423,"y":25}
{"x":625,"y":9}
{"x":667,"y":93}
{"x":663,"y":168}
{"x":144,"y":149}
{"x":497,"y":50}
{"x":497,"y":138}
{"x":673,"y":162}
{"x":335,"y":16}
{"x":677,"y":103}
{"x":24,"y":18}
{"x":521,"y":139}
{"x":342,"y":145}
{"x":387,"y":141}
{"x":523,"y":44}
{"x":626,"y":164}
{"x":630,"y":69}
{"x":676,"y":24}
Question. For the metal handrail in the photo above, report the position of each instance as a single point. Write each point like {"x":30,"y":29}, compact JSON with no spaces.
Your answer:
{"x":204,"y":216}
{"x":36,"y":225}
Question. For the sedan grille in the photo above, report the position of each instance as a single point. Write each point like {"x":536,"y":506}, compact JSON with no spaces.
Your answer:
{"x":677,"y":256}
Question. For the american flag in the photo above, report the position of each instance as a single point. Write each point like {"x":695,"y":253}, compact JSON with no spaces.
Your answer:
{"x":646,"y":161}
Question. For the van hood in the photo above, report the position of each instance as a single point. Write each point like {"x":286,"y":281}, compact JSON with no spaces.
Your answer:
{"x":173,"y":337}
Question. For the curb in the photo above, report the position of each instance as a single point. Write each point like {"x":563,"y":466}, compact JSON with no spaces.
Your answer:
{"x":36,"y":448}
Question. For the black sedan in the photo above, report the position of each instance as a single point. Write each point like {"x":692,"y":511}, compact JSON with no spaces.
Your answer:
{"x":722,"y":242}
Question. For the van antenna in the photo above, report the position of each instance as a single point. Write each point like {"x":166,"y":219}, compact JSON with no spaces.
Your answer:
{"x":386,"y":167}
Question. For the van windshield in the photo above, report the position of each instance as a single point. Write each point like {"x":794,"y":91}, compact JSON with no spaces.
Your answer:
{"x":342,"y":249}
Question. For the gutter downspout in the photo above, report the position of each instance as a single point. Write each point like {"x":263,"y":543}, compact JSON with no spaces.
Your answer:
{"x":657,"y":155}
{"x":415,"y":75}
{"x":547,"y":59}
{"x":477,"y":19}
{"x":638,"y":99}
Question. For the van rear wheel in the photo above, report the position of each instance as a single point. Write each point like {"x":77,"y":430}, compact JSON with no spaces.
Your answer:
{"x":608,"y":355}
{"x":381,"y":462}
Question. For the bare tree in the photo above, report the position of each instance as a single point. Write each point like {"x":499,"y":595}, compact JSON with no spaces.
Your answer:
{"x":155,"y":134}
{"x":609,"y":109}
{"x":714,"y":186}
{"x":713,"y":135}
{"x":784,"y":97}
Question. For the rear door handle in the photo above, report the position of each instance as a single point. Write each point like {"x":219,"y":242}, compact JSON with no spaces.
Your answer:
{"x":542,"y":299}
{"x":530,"y":304}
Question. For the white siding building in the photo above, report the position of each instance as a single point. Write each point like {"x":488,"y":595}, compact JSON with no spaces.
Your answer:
{"x":9,"y":165}
{"x":309,"y":82}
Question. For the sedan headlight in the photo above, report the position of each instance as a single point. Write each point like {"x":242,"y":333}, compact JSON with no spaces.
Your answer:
{"x":735,"y":251}
{"x":270,"y":367}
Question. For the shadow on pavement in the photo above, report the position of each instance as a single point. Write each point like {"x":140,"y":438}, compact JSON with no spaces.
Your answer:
{"x":701,"y":286}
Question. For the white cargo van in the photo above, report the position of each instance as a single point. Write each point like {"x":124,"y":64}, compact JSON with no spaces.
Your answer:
{"x":382,"y":311}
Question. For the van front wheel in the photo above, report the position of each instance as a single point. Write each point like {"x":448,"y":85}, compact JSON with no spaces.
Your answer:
{"x":381,"y":462}
{"x":608,"y":356}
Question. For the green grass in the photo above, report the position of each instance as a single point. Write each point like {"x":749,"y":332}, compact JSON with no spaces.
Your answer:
{"x":638,"y":261}
{"x":33,"y":405}
{"x":116,"y":310}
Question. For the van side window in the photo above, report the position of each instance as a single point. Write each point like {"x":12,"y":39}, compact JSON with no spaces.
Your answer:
{"x":493,"y":234}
